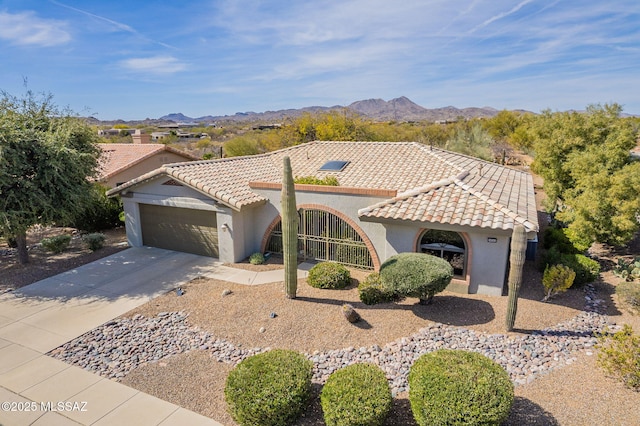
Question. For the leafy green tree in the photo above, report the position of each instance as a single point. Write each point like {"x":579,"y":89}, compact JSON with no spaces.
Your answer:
{"x":242,"y":145}
{"x":47,"y":158}
{"x":510,"y":127}
{"x":591,"y":181}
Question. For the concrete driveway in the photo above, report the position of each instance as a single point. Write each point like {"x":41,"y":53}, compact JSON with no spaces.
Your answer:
{"x":38,"y":390}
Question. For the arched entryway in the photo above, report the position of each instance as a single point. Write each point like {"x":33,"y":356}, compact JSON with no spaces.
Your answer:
{"x":325,"y":236}
{"x":448,"y":245}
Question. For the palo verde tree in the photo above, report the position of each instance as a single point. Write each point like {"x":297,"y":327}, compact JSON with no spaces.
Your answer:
{"x":590,"y":178}
{"x":47,"y":158}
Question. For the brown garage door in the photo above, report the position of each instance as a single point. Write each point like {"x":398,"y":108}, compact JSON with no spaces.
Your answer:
{"x":180,"y":229}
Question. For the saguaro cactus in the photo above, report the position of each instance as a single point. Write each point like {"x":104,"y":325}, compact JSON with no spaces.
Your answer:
{"x":289,"y":231}
{"x":518,"y":252}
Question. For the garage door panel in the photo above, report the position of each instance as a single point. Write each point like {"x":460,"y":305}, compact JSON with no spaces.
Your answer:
{"x":180,"y":229}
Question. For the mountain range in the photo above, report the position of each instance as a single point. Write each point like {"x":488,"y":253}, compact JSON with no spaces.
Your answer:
{"x":398,"y":109}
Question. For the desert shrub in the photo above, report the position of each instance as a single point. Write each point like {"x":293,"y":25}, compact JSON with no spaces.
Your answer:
{"x":357,"y":395}
{"x":454,"y":387}
{"x":256,"y":258}
{"x":557,"y":279}
{"x":56,"y":244}
{"x":372,"y":292}
{"x":94,"y":241}
{"x":587,"y":270}
{"x":629,"y":293}
{"x":628,"y":270}
{"x":620,"y":356}
{"x":313,"y":180}
{"x":100,"y":213}
{"x":271,"y":388}
{"x":557,"y":237}
{"x":329,"y":275}
{"x":416,"y":275}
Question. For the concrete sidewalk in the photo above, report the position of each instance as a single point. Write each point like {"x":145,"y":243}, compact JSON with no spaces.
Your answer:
{"x":42,"y":316}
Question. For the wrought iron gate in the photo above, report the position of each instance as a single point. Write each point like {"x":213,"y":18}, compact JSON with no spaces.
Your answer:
{"x":324,"y":236}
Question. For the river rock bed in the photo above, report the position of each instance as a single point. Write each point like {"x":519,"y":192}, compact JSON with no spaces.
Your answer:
{"x":121,"y":345}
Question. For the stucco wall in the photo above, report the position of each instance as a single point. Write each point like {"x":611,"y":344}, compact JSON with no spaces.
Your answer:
{"x":486,"y":260}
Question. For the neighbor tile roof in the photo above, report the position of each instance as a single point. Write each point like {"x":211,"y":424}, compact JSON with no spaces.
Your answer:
{"x":117,"y":157}
{"x":432,"y":185}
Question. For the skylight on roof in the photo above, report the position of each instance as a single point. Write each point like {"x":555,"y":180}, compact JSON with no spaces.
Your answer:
{"x":334,"y":166}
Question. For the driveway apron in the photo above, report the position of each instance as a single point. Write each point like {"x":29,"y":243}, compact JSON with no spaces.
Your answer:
{"x":36,"y":389}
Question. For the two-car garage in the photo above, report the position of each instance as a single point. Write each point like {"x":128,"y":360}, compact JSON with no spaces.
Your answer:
{"x":181,"y":229}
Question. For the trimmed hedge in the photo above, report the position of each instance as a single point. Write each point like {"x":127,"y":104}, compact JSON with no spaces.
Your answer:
{"x":372,"y":291}
{"x":329,"y":275}
{"x":269,"y":389}
{"x":455,"y":387}
{"x":56,"y":244}
{"x":416,"y":275}
{"x":356,"y":395}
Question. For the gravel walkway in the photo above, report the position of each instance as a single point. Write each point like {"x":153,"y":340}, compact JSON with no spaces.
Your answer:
{"x":121,"y":345}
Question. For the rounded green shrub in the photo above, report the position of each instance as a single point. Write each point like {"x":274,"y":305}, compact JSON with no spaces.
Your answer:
{"x":587,"y":270}
{"x":356,"y":395}
{"x":416,"y":275}
{"x":269,"y":389}
{"x":372,"y":291}
{"x":329,"y":275}
{"x":256,"y":258}
{"x":56,"y":244}
{"x":94,"y":241}
{"x":455,"y":387}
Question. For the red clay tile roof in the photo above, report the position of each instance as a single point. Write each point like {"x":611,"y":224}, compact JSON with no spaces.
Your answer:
{"x":117,"y":157}
{"x":432,"y":185}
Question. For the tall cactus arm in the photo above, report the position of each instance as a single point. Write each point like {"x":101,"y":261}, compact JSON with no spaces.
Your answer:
{"x":289,"y":231}
{"x":516,"y":259}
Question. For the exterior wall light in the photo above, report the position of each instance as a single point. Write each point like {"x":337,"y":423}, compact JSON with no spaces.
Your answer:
{"x":225,"y":227}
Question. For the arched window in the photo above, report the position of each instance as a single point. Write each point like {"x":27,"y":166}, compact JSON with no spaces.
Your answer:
{"x":326,"y":237}
{"x":448,"y":245}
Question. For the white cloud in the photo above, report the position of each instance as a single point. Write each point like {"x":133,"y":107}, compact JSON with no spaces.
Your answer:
{"x":154,"y":65}
{"x":26,"y":28}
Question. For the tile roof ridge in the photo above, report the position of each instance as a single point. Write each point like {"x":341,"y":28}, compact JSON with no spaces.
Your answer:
{"x":504,"y":209}
{"x":408,"y":194}
{"x":139,"y":179}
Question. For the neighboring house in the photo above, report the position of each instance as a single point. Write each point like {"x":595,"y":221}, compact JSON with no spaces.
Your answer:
{"x":121,"y":162}
{"x":393,"y":197}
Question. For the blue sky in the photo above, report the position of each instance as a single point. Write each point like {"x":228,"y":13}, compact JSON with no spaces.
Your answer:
{"x":136,"y":59}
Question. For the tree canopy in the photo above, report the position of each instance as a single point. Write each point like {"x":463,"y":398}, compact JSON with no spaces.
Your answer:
{"x":591,"y":181}
{"x":47,"y":158}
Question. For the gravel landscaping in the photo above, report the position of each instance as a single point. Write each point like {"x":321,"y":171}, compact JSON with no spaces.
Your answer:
{"x":181,"y":348}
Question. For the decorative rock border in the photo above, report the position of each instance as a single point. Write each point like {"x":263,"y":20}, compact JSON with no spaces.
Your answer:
{"x":119,"y":346}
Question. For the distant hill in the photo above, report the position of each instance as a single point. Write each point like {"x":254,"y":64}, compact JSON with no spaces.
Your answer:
{"x":398,"y":109}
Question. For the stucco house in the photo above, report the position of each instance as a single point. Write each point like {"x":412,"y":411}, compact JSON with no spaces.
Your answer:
{"x":392,"y":197}
{"x":120,"y":162}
